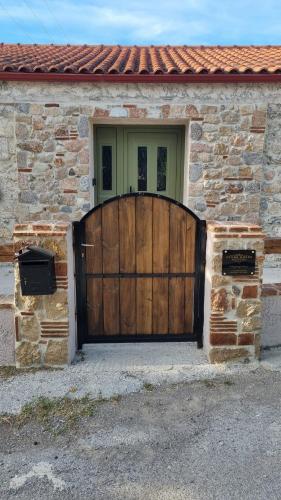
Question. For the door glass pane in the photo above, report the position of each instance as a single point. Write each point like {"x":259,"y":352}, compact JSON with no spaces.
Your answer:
{"x":107,"y":168}
{"x":161,"y":168}
{"x":142,"y":168}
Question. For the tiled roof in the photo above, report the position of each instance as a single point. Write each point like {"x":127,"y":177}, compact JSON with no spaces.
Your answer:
{"x":134,"y":60}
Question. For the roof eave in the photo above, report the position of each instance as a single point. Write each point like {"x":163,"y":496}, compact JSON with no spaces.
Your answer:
{"x":143,"y":78}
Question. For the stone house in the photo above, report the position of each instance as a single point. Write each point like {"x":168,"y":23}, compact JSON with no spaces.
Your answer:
{"x":82,"y":124}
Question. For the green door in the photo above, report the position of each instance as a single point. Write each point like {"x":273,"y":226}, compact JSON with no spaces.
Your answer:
{"x":147,"y":159}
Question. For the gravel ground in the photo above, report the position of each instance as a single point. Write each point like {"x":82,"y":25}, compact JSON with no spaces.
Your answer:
{"x":202,"y":440}
{"x":110,"y":369}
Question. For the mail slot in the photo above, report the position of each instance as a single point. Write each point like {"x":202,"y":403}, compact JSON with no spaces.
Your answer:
{"x":37,"y":271}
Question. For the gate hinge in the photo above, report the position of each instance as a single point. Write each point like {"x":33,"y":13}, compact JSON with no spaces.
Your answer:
{"x":94,"y":181}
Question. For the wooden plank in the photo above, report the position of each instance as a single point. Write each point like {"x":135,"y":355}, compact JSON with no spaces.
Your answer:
{"x":110,"y":237}
{"x":177,"y":239}
{"x":127,"y":215}
{"x":111,"y":306}
{"x":93,"y":236}
{"x":95,"y":306}
{"x":160,"y":302}
{"x":144,"y":235}
{"x":128,"y":306}
{"x":144,"y":305}
{"x":176,"y":305}
{"x":188,"y":305}
{"x":190,"y":244}
{"x":272,"y":245}
{"x":161,"y":215}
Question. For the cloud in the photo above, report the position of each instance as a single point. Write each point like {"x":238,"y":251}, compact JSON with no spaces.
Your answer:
{"x":141,"y":21}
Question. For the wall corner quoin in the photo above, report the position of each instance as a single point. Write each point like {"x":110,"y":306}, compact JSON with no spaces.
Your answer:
{"x":45,"y":324}
{"x":232,"y":306}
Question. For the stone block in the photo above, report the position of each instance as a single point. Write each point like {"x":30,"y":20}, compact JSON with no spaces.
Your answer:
{"x":253,"y":187}
{"x":84,"y":183}
{"x":28,"y":328}
{"x":57,"y":246}
{"x":252,"y":158}
{"x":28,"y":354}
{"x":29,"y":197}
{"x":190,"y":111}
{"x":219,"y":300}
{"x":22,"y":159}
{"x":83,"y":126}
{"x":195,"y":172}
{"x":221,"y":149}
{"x":208,"y":109}
{"x":75,"y":145}
{"x":259,"y":119}
{"x":221,"y":355}
{"x":218,"y":280}
{"x":251,"y":324}
{"x":217,"y":264}
{"x":234,"y":188}
{"x":32,"y":146}
{"x":22,"y":131}
{"x":196,"y":131}
{"x":23,"y":108}
{"x":230,"y":117}
{"x":56,"y":305}
{"x":56,"y":353}
{"x":247,"y":308}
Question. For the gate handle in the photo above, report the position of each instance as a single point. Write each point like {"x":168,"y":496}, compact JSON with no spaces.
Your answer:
{"x":131,"y":189}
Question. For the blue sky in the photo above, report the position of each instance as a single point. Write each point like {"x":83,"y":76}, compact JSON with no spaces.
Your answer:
{"x":190,"y":22}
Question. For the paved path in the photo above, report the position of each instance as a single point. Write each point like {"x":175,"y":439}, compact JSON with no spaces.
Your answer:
{"x":218,"y":440}
{"x":110,"y":369}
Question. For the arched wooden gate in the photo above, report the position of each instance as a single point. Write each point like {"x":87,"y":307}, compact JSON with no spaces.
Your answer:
{"x":140,"y":262}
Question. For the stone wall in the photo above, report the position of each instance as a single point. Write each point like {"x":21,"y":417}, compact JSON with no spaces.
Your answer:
{"x":232,"y":153}
{"x":42,"y":322}
{"x":232,"y":317}
{"x":46,"y":143}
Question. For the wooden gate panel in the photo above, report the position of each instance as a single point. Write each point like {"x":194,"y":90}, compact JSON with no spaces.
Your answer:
{"x":110,"y":237}
{"x":111,"y":318}
{"x":93,"y":242}
{"x":144,"y":306}
{"x":144,"y":234}
{"x":177,"y":239}
{"x":176,"y":305}
{"x":127,"y":233}
{"x":95,"y":306}
{"x":190,"y":244}
{"x":140,"y":265}
{"x":160,"y":301}
{"x":188,"y":304}
{"x":160,"y":242}
{"x":128,"y":306}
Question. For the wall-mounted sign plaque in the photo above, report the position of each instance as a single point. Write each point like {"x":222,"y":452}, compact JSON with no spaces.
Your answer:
{"x":238,"y":262}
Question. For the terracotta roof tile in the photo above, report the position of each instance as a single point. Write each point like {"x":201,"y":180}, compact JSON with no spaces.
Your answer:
{"x":149,"y":60}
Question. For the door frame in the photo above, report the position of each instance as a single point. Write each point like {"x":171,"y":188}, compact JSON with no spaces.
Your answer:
{"x":122,"y":131}
{"x":80,"y":278}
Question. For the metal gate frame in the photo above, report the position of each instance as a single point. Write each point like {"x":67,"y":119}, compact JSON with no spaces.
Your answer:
{"x":80,"y":278}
